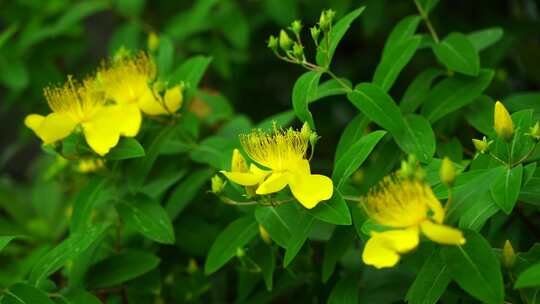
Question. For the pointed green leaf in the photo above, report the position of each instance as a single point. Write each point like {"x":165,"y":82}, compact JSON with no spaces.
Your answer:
{"x":4,"y":240}
{"x":345,"y":292}
{"x":335,"y":248}
{"x":483,"y":39}
{"x":279,"y":221}
{"x":146,"y":215}
{"x":505,"y":190}
{"x":236,"y":235}
{"x":354,"y":157}
{"x":402,"y":32}
{"x":458,"y":54}
{"x":394,"y":61}
{"x":121,"y":268}
{"x":22,"y":293}
{"x":476,"y":268}
{"x":418,"y":90}
{"x":431,"y":282}
{"x":529,"y":278}
{"x":334,"y":211}
{"x":453,"y":93}
{"x":70,"y":248}
{"x":299,"y":235}
{"x":304,"y":90}
{"x":417,"y":138}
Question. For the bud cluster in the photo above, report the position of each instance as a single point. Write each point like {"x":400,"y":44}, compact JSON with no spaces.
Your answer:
{"x":293,"y":48}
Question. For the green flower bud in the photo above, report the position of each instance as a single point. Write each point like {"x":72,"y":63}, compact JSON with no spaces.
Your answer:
{"x":153,"y":42}
{"x":534,"y":131}
{"x":447,"y":172}
{"x":298,"y":51}
{"x":217,"y":184}
{"x":315,"y":32}
{"x":508,"y":255}
{"x":296,"y":27}
{"x":325,"y":21}
{"x":306,"y":130}
{"x":240,"y":252}
{"x":272,"y":43}
{"x":482,"y":146}
{"x":284,"y":41}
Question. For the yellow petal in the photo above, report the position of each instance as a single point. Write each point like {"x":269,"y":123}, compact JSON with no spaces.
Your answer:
{"x":442,"y":234}
{"x":310,"y":189}
{"x":102,"y":132}
{"x":402,"y":240}
{"x":243,"y":178}
{"x":51,"y":128}
{"x":149,"y":104}
{"x":377,"y":253}
{"x":238,"y":162}
{"x":173,"y":98}
{"x":256,"y":170}
{"x":130,"y":118}
{"x":276,"y":182}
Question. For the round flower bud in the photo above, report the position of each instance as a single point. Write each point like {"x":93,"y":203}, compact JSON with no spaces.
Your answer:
{"x":503,"y":124}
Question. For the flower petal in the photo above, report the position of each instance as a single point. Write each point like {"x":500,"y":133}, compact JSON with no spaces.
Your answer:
{"x":244,"y":178}
{"x":51,"y":128}
{"x":130,"y":118}
{"x":173,"y":98}
{"x":310,"y":189}
{"x":442,"y":234}
{"x":102,"y":132}
{"x":383,"y":249}
{"x":276,"y":182}
{"x":377,"y":253}
{"x":149,"y":104}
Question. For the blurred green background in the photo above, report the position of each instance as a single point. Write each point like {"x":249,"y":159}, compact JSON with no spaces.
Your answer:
{"x":43,"y":41}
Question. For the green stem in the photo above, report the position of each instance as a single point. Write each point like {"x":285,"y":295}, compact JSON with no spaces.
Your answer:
{"x":497,"y":159}
{"x":524,"y":158}
{"x":343,"y":84}
{"x":353,"y":198}
{"x":427,"y":21}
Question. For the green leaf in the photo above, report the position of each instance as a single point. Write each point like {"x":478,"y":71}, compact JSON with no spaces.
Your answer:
{"x":236,"y":235}
{"x":14,"y":74}
{"x":458,"y":54}
{"x":505,"y":190}
{"x":165,"y":55}
{"x":345,"y":292}
{"x":483,"y":39}
{"x":431,"y":282}
{"x":265,"y":257}
{"x":7,"y":33}
{"x":70,"y":248}
{"x":335,"y":248}
{"x":4,"y":240}
{"x":131,"y":8}
{"x":147,"y":216}
{"x":299,"y":235}
{"x":121,"y":268}
{"x":418,"y":90}
{"x":331,"y":87}
{"x":453,"y":93}
{"x":402,"y":32}
{"x":417,"y":138}
{"x":378,"y":106}
{"x":191,"y":73}
{"x":426,"y":5}
{"x":529,"y":278}
{"x":304,"y":90}
{"x":282,"y":119}
{"x":141,"y":168}
{"x":22,"y":293}
{"x":92,"y":194}
{"x":186,"y":191}
{"x":352,"y":133}
{"x":476,"y":268}
{"x":524,"y":101}
{"x":214,"y":151}
{"x":324,"y":57}
{"x":530,"y":192}
{"x":278,"y":221}
{"x":81,"y":296}
{"x":394,"y":61}
{"x":126,"y":148}
{"x":334,"y":211}
{"x":354,"y":157}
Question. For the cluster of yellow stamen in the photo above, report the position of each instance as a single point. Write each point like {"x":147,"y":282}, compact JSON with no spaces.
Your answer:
{"x":124,"y":79}
{"x":79,"y":100}
{"x":277,"y":150}
{"x":400,"y":202}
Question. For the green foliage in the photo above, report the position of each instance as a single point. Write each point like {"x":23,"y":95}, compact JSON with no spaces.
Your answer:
{"x":407,"y":82}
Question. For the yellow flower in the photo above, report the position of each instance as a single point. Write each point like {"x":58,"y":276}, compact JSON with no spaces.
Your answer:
{"x":80,"y":104}
{"x":127,"y":82}
{"x":407,"y":207}
{"x":503,"y":122}
{"x":283,"y":152}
